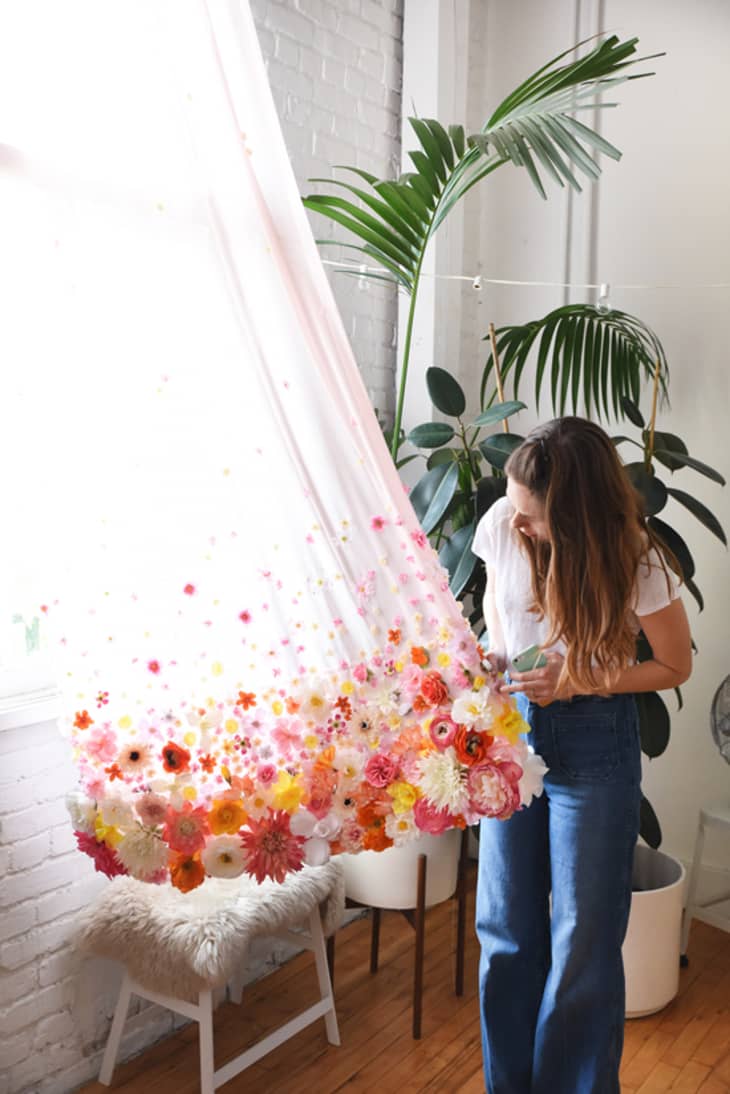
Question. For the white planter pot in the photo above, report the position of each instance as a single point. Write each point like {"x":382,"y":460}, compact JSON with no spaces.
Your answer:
{"x":389,"y":879}
{"x":652,"y":943}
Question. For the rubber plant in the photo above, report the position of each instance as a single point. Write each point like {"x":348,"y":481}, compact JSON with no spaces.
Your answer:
{"x":535,"y":127}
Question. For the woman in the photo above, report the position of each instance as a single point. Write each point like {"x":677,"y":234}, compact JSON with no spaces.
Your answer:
{"x":573,"y":568}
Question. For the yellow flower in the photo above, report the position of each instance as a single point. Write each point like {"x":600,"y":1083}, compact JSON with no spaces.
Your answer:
{"x":125,"y":722}
{"x":478,"y":683}
{"x":399,"y":666}
{"x":189,"y":793}
{"x":311,"y":741}
{"x":226,"y":816}
{"x":190,"y":738}
{"x":216,"y":668}
{"x":106,"y":833}
{"x":510,"y":724}
{"x":347,"y":688}
{"x":277,"y":707}
{"x":231,"y":725}
{"x":404,"y":796}
{"x":444,"y":660}
{"x":288,"y":792}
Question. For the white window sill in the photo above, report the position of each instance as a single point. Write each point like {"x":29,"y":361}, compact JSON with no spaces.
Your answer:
{"x":30,"y":708}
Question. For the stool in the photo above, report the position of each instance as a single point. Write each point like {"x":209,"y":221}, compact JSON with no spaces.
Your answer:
{"x":717,"y":817}
{"x":178,"y":948}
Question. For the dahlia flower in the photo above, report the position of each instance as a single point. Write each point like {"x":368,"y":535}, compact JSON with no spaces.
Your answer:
{"x":441,"y":779}
{"x":142,"y":853}
{"x":271,"y":848}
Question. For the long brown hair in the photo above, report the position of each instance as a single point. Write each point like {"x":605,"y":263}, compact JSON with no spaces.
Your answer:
{"x":584,"y":575}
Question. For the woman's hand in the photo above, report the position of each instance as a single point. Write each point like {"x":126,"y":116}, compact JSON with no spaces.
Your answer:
{"x":540,"y":685}
{"x":494,"y":661}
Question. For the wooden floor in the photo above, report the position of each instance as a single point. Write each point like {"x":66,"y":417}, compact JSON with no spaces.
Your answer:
{"x":685,"y":1049}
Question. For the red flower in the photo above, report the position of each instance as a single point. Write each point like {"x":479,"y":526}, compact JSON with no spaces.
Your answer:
{"x":244,"y":616}
{"x":83,"y":719}
{"x":114,"y":772}
{"x":153,"y":666}
{"x":419,"y":656}
{"x":271,"y":848}
{"x":175,"y":758}
{"x":185,"y":829}
{"x":246,"y":699}
{"x":186,"y":872}
{"x":189,"y":590}
{"x":394,"y":636}
{"x":343,"y":703}
{"x":207,"y":763}
{"x":471,"y":746}
{"x":381,"y":770}
{"x":434,"y":690}
{"x":105,"y":860}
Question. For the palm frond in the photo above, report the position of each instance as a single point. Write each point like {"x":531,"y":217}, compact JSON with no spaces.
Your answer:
{"x":594,"y":357}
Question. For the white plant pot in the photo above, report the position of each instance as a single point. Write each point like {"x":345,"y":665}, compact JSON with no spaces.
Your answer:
{"x":652,"y":943}
{"x":389,"y":879}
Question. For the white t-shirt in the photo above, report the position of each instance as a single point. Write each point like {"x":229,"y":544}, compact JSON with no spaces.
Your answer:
{"x":498,"y":545}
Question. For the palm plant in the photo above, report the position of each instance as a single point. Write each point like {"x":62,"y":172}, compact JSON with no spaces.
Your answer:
{"x":535,"y":127}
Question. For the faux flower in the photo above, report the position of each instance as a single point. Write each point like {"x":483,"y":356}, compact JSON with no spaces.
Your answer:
{"x":533,"y":770}
{"x":430,"y":819}
{"x":349,"y":763}
{"x":101,"y":745}
{"x":143,"y":854}
{"x":471,"y":746}
{"x":175,"y":758}
{"x":82,"y":811}
{"x":186,"y":872}
{"x":371,"y":817}
{"x":410,"y":679}
{"x":288,"y":792}
{"x":224,"y":857}
{"x":475,"y":706}
{"x":83,"y":719}
{"x":116,"y":812}
{"x":442,"y":730}
{"x":151,"y":809}
{"x":381,"y":770}
{"x":494,"y":789}
{"x":134,"y":758}
{"x":509,"y":723}
{"x":226,"y":816}
{"x":442,"y":780}
{"x":419,"y":656}
{"x":185,"y":829}
{"x":401,"y":829}
{"x":433,"y":689}
{"x":404,"y":796}
{"x":105,"y":859}
{"x":271,"y":848}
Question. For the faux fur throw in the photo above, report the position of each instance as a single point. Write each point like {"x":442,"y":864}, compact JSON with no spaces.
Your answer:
{"x":181,"y":943}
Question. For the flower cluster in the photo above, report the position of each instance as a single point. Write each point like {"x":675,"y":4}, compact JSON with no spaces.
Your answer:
{"x":416,"y":739}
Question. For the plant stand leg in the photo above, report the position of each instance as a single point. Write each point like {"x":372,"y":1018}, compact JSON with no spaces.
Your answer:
{"x":692,"y":885}
{"x":331,"y":958}
{"x":461,"y":914}
{"x":420,"y":932}
{"x":375,"y":940}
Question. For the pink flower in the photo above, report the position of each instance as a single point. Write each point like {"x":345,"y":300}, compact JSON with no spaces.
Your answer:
{"x":105,"y":861}
{"x":419,"y":538}
{"x":266,"y":774}
{"x":494,"y":789}
{"x":102,"y":745}
{"x":151,"y":809}
{"x":360,"y":672}
{"x":286,"y":734}
{"x":381,"y":770}
{"x":185,"y":830}
{"x":154,"y":667}
{"x":271,"y":849}
{"x":189,"y":589}
{"x":245,"y":616}
{"x":430,"y":819}
{"x":377,"y":524}
{"x":442,"y":730}
{"x":410,"y":680}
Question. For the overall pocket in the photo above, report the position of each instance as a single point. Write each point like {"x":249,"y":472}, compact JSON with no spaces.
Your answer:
{"x":586,"y":747}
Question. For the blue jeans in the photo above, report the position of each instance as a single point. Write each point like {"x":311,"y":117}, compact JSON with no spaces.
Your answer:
{"x":552,"y":985}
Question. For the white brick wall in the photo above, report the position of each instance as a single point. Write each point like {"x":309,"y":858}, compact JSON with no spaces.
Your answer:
{"x":335,"y":68}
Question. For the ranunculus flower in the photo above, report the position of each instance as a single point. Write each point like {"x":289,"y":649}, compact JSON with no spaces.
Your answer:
{"x":442,"y":730}
{"x":186,"y":872}
{"x":151,"y":809}
{"x":433,"y":689}
{"x":223,"y":856}
{"x":381,"y":770}
{"x":226,"y":816}
{"x":471,"y":746}
{"x":430,"y":819}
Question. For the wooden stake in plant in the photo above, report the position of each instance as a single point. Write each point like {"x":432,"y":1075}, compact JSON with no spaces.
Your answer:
{"x":650,"y":446}
{"x":497,"y":373}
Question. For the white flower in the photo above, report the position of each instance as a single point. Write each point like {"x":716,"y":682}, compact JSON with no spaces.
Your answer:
{"x":533,"y":770}
{"x":117,"y":813}
{"x":316,"y":851}
{"x":314,"y":702}
{"x":142,"y":853}
{"x":349,"y":762}
{"x":402,"y":828}
{"x":82,"y":811}
{"x":441,"y":779}
{"x":224,"y":856}
{"x":473,"y":707}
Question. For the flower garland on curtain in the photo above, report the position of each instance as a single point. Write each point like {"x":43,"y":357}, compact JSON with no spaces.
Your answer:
{"x":261,"y":658}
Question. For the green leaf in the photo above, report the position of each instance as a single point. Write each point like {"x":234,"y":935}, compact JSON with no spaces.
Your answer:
{"x":649,"y":828}
{"x":692,"y":588}
{"x":697,"y":509}
{"x":489,"y":490}
{"x":441,"y":456}
{"x":652,"y":490}
{"x":497,"y":448}
{"x":689,"y":461}
{"x":632,"y":412}
{"x":431,"y":434}
{"x":676,"y":545}
{"x":499,"y":412}
{"x":445,"y":392}
{"x":457,"y":558}
{"x":406,"y":459}
{"x":432,"y":493}
{"x":667,"y":443}
{"x":653,"y":723}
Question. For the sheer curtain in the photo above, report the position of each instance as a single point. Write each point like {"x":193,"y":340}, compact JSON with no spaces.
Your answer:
{"x":260,"y":655}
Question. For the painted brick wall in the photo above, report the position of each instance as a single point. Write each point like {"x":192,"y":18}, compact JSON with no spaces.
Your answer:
{"x":335,"y":69}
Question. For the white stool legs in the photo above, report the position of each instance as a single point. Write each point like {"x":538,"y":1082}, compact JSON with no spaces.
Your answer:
{"x":115,"y":1033}
{"x":709,"y":818}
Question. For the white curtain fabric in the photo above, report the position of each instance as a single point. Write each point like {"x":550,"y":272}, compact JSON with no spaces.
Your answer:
{"x":261,"y":657}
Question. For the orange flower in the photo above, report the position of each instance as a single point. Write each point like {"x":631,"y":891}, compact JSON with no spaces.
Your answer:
{"x":114,"y":772}
{"x":471,"y":746}
{"x":419,"y":656}
{"x":343,"y":703}
{"x":83,"y":719}
{"x":419,"y":704}
{"x":186,"y":872}
{"x":207,"y":762}
{"x":226,"y":816}
{"x":370,"y":817}
{"x":246,"y":699}
{"x":394,"y":636}
{"x":292,"y":706}
{"x":434,"y":690}
{"x":412,"y":740}
{"x":175,"y":758}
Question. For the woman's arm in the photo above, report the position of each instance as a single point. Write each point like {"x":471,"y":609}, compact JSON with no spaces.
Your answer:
{"x":667,"y":632}
{"x":497,"y":652}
